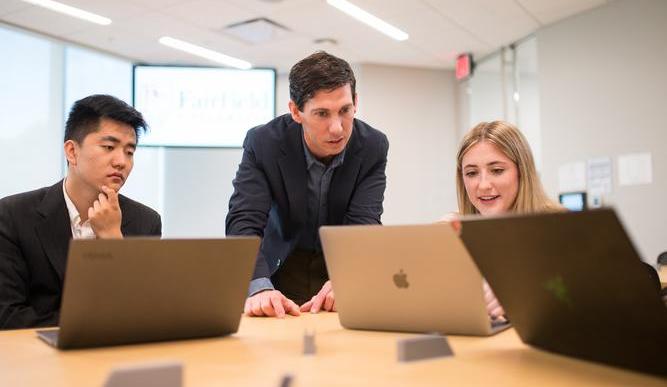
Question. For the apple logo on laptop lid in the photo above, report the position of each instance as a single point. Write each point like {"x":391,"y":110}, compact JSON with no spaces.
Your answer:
{"x":401,"y":280}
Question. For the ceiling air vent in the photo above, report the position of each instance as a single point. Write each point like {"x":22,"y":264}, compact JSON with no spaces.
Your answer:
{"x":256,"y":31}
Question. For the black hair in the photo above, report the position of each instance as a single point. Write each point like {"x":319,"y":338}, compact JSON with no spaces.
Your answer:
{"x":85,"y":115}
{"x":319,"y":71}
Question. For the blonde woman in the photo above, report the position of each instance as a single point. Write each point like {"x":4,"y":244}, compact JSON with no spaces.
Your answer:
{"x":496,"y":174}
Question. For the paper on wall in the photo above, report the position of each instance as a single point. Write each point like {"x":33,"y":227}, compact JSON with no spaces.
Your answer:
{"x":599,"y":175}
{"x":635,"y":168}
{"x":572,"y":177}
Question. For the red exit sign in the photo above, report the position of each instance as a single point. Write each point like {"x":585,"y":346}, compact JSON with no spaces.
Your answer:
{"x":463,"y":66}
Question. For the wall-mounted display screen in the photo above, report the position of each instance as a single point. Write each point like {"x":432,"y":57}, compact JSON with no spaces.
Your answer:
{"x":573,"y":201}
{"x":202,"y":106}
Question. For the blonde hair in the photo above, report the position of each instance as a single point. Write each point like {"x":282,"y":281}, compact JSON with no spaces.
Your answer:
{"x":509,"y":140}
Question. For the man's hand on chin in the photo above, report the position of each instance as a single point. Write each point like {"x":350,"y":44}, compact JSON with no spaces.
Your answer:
{"x":105,"y":215}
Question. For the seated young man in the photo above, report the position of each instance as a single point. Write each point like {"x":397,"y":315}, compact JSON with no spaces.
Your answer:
{"x":35,"y":227}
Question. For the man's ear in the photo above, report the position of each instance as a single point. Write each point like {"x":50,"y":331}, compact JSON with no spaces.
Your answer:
{"x":294,"y":111}
{"x":71,"y":151}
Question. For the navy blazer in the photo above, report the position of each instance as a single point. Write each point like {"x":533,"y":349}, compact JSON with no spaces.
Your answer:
{"x":35,"y":231}
{"x":271,"y":187}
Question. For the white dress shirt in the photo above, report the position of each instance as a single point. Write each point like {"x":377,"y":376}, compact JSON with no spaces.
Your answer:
{"x":79,"y":230}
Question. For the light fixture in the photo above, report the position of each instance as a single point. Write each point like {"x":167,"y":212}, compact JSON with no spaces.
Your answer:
{"x":257,"y":31}
{"x":369,"y":19}
{"x":71,"y":11}
{"x":205,"y":53}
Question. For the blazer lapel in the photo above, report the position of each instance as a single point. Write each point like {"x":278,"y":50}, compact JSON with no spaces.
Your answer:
{"x":293,"y":169}
{"x":55,"y":231}
{"x":126,"y":216}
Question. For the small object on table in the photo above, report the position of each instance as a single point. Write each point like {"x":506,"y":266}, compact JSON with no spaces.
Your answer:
{"x":423,"y":347}
{"x":309,"y":343}
{"x":141,"y":375}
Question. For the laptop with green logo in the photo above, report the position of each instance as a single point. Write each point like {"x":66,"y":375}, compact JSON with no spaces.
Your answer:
{"x":572,"y":283}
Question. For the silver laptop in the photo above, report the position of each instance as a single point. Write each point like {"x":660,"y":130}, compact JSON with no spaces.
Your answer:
{"x":416,"y":278}
{"x":143,"y":289}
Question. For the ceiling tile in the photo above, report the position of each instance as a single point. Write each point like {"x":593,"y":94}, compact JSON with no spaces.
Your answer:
{"x":438,"y":29}
{"x":154,"y":5}
{"x":212,"y":14}
{"x":268,"y":7}
{"x":45,"y":21}
{"x":495,"y":22}
{"x":549,"y":11}
{"x":10,"y":6}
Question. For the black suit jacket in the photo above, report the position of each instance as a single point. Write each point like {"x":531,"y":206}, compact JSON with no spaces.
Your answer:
{"x":35,"y":232}
{"x":271,"y":187}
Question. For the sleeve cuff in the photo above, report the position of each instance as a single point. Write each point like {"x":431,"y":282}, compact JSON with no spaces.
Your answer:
{"x":259,"y":284}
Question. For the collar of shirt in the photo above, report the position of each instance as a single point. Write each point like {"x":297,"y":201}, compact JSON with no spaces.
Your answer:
{"x":311,"y":159}
{"x":79,"y":230}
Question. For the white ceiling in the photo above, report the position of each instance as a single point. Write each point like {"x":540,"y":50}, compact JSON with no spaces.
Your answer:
{"x":439,"y":29}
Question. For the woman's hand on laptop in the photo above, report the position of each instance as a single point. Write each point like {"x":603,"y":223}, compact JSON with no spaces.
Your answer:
{"x":323,"y":300}
{"x":453,"y":219}
{"x":270,"y":303}
{"x":493,"y":307}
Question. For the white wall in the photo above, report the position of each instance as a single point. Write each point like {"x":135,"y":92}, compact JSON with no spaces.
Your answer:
{"x":603,"y":91}
{"x":415,"y":108}
{"x":486,"y":92}
{"x":197,"y":188}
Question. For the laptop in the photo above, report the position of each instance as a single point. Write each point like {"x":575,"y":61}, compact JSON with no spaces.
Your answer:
{"x":412,"y":278}
{"x":137,"y":290}
{"x":572,"y":283}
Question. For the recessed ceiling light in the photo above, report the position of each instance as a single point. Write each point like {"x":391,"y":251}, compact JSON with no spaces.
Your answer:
{"x":257,"y":31}
{"x":71,"y":11}
{"x":205,"y":53}
{"x":370,"y":19}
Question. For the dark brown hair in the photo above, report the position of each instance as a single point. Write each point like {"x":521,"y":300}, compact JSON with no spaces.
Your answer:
{"x":86,"y":113}
{"x":319,"y":71}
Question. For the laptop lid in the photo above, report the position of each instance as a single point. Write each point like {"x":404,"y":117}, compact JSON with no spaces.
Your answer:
{"x":572,"y":283}
{"x":140,"y":289}
{"x":415,"y":278}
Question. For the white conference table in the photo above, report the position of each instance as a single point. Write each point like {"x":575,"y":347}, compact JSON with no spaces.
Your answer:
{"x":265,"y":349}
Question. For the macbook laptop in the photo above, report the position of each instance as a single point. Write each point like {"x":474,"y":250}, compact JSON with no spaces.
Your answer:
{"x":137,"y":290}
{"x":572,"y":283}
{"x":416,"y":278}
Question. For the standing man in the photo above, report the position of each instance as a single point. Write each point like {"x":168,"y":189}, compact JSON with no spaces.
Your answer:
{"x":35,"y":227}
{"x":315,"y":166}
